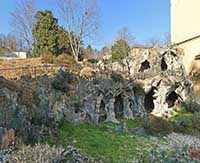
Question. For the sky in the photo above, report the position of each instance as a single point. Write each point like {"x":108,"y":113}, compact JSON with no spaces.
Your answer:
{"x":144,"y":18}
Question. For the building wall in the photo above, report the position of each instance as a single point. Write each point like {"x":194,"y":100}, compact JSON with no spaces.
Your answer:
{"x":185,"y":24}
{"x":21,"y":55}
{"x":191,"y":49}
{"x":185,"y":21}
{"x":18,"y":55}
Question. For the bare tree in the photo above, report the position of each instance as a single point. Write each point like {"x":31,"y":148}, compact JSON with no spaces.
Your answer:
{"x":11,"y":42}
{"x":22,"y":21}
{"x":2,"y":41}
{"x":125,"y":34}
{"x":8,"y":43}
{"x":167,"y":38}
{"x":153,"y":41}
{"x":82,"y":20}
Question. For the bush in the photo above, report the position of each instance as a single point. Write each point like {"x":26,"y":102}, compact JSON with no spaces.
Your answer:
{"x":191,"y":106}
{"x":92,"y":60}
{"x":65,"y":59}
{"x":157,"y":126}
{"x":120,"y":50}
{"x":188,"y":124}
{"x":42,"y":153}
{"x":38,"y":153}
{"x":61,"y":59}
{"x":179,"y":141}
{"x":48,"y":58}
{"x":116,"y":77}
{"x":174,"y":156}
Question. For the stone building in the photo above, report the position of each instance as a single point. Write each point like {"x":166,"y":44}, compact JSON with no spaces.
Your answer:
{"x":185,"y":30}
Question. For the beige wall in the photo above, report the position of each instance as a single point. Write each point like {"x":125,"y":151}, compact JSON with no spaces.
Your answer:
{"x":185,"y":24}
{"x":185,"y":19}
{"x":191,"y":49}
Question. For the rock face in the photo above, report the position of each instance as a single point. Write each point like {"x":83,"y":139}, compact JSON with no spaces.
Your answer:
{"x":149,"y":62}
{"x":152,"y":81}
{"x":164,"y":77}
{"x":164,"y":94}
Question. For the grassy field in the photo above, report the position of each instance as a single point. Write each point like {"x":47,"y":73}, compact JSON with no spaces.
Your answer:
{"x":101,"y":144}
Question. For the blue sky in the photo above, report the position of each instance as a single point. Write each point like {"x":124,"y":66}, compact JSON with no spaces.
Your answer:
{"x":144,"y":18}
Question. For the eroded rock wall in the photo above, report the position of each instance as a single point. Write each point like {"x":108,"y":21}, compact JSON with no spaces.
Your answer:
{"x":153,"y":81}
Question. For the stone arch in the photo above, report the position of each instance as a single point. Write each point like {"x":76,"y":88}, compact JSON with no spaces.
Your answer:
{"x":102,"y":111}
{"x":144,"y":66}
{"x":171,"y":99}
{"x":148,"y":100}
{"x":118,"y":107}
{"x":163,"y":64}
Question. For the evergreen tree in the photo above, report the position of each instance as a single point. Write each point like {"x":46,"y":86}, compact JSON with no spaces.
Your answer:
{"x":45,"y":34}
{"x":120,"y":50}
{"x":64,"y":45}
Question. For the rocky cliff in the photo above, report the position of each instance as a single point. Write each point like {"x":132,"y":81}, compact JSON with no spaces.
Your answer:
{"x":153,"y":80}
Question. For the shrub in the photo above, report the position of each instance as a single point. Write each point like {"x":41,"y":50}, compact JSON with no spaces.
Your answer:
{"x":65,"y":59}
{"x":179,"y":141}
{"x":188,"y":124}
{"x":116,"y":77}
{"x":191,"y":106}
{"x":63,"y":78}
{"x":42,"y":153}
{"x":157,"y":126}
{"x":120,"y":50}
{"x":48,"y":58}
{"x":38,"y":153}
{"x":93,"y":60}
{"x":174,"y":156}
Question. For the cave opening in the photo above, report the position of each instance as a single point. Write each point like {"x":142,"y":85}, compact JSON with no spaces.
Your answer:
{"x":171,"y":99}
{"x":148,"y":100}
{"x":102,"y":111}
{"x":77,"y":110}
{"x":163,"y":64}
{"x":118,"y":107}
{"x":144,"y":66}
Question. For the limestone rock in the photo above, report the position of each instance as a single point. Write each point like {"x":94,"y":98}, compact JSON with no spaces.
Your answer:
{"x":164,"y":94}
{"x":152,"y":80}
{"x":149,"y":62}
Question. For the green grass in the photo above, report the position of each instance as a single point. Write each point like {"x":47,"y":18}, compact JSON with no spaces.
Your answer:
{"x":189,"y":122}
{"x":177,"y":115}
{"x":99,"y":143}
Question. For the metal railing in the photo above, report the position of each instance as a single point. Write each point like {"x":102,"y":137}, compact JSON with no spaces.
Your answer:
{"x":33,"y":71}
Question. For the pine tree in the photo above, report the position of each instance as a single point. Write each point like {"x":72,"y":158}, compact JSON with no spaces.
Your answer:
{"x":120,"y":50}
{"x":45,"y":34}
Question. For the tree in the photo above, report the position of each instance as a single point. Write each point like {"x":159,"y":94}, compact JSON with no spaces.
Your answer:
{"x":11,"y":42}
{"x":153,"y":41}
{"x":81,"y":18}
{"x":22,"y":21}
{"x":125,"y":34}
{"x":89,"y":52}
{"x":167,"y":38}
{"x":45,"y":34}
{"x":120,"y":50}
{"x":8,"y":43}
{"x":64,"y":42}
{"x":106,"y":50}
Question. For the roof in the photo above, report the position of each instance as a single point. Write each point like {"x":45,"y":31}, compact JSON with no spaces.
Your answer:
{"x":139,"y":46}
